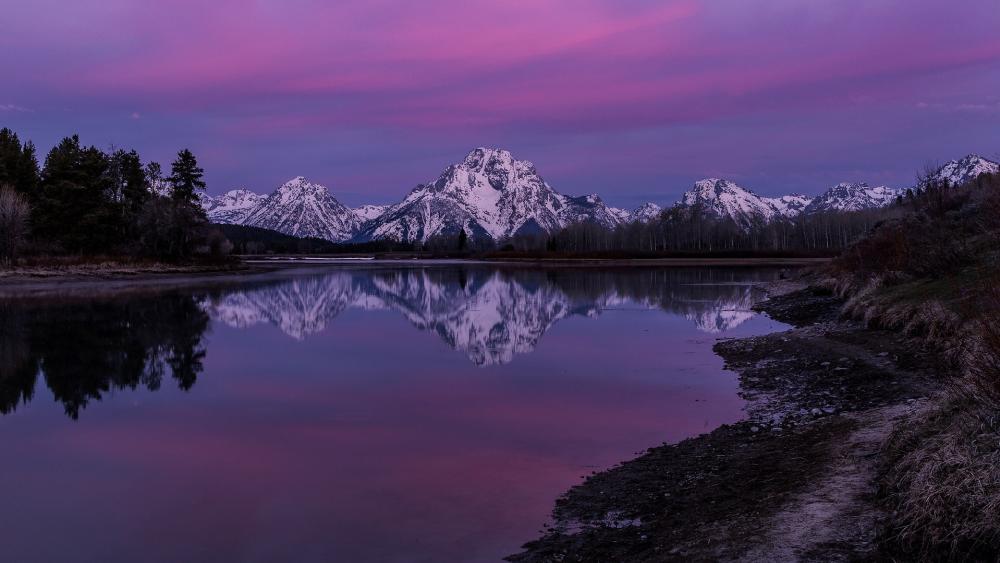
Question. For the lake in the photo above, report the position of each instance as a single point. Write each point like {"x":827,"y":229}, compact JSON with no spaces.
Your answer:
{"x":356,"y":413}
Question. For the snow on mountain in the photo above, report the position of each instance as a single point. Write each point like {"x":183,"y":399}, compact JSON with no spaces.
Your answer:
{"x":958,"y":172}
{"x":491,"y":316}
{"x":620,"y":215}
{"x":490,"y":195}
{"x":231,"y":207}
{"x":723,"y":199}
{"x":369,"y":212}
{"x":645,"y":212}
{"x":852,"y":197}
{"x":304,"y":209}
{"x":300,"y":307}
{"x":790,"y":205}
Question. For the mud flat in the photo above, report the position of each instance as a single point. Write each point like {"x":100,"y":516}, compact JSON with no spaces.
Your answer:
{"x":796,"y":480}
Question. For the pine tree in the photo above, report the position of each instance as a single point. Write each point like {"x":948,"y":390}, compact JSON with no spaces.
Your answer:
{"x":28,"y":176}
{"x":18,"y":164}
{"x":463,"y":240}
{"x":154,"y":174}
{"x":73,"y":209}
{"x":128,"y":185}
{"x":186,"y":178}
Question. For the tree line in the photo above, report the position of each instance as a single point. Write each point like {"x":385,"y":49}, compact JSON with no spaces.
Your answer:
{"x":86,"y":201}
{"x":694,"y":229}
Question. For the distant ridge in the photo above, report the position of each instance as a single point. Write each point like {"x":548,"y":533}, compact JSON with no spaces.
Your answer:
{"x":493,"y":196}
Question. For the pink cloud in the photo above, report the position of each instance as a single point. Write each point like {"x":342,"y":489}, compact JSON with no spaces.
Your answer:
{"x":546,"y":72}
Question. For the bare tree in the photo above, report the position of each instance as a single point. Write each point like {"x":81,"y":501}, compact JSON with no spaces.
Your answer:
{"x":14,"y":215}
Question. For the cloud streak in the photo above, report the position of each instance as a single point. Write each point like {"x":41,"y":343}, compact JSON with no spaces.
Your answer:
{"x":440,"y":76}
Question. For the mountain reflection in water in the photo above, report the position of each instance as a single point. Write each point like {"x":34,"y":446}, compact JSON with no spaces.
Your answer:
{"x":298,"y":416}
{"x":490,"y":314}
{"x":85,"y":349}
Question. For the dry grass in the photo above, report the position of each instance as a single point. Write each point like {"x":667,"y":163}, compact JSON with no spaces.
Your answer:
{"x":107,"y":266}
{"x":942,"y":474}
{"x":943,"y":483}
{"x":935,"y":276}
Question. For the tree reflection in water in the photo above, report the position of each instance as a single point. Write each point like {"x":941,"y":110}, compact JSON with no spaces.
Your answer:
{"x":85,"y":349}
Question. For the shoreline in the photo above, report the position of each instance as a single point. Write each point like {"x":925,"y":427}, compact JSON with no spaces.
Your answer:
{"x":794,"y":480}
{"x":112,"y":275}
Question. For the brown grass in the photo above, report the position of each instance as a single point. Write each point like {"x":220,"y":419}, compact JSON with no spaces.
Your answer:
{"x":942,"y":474}
{"x":943,"y":483}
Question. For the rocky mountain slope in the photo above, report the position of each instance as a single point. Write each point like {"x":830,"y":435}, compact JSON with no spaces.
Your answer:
{"x":490,"y":195}
{"x":231,"y":207}
{"x":717,"y":198}
{"x":302,"y":208}
{"x":964,"y":170}
{"x":851,"y":197}
{"x":370,"y":212}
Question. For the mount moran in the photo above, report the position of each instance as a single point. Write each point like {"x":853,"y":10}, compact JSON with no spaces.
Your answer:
{"x":492,"y":195}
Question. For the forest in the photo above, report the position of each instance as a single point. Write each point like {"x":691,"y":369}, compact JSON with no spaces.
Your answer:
{"x":84,"y":201}
{"x":686,"y":231}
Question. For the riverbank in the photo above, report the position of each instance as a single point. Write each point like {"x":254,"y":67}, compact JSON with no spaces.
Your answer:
{"x":795,"y":481}
{"x":89,"y":277}
{"x":101,"y":276}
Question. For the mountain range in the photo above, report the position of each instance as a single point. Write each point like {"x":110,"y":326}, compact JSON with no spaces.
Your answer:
{"x":491,"y":195}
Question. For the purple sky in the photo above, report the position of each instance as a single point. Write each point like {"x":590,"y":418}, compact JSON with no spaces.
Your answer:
{"x":633,"y":99}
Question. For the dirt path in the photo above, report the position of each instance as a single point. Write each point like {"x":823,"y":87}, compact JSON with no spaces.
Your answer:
{"x":835,"y":518}
{"x":795,"y":481}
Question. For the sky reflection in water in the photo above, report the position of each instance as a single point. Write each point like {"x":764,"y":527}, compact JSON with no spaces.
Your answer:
{"x":304,"y":418}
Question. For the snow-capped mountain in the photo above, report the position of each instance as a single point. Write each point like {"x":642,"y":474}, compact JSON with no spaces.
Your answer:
{"x":645,"y":213}
{"x":490,"y":195}
{"x":369,"y":212}
{"x":304,"y":209}
{"x":790,"y":205}
{"x":958,"y":172}
{"x":231,"y":207}
{"x":724,"y":199}
{"x":852,"y":197}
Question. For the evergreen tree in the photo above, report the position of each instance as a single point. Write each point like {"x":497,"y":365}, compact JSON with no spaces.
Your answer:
{"x":154,"y":175}
{"x":73,"y":209}
{"x":10,"y":155}
{"x":18,"y":164}
{"x":28,"y":176}
{"x":128,"y":185}
{"x":463,"y":240}
{"x":186,"y":178}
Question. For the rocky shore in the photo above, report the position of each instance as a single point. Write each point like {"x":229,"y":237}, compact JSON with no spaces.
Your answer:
{"x":797,"y":480}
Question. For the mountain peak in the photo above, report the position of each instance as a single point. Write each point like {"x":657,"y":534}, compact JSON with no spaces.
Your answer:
{"x":963,"y":170}
{"x":479,"y":155}
{"x":298,"y":183}
{"x":646,"y":212}
{"x":725,"y":199}
{"x":305,"y":209}
{"x":489,"y":195}
{"x":499,"y":167}
{"x":711,"y":189}
{"x":851,"y":196}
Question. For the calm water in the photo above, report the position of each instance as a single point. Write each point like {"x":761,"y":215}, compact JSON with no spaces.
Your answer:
{"x":369,"y":414}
